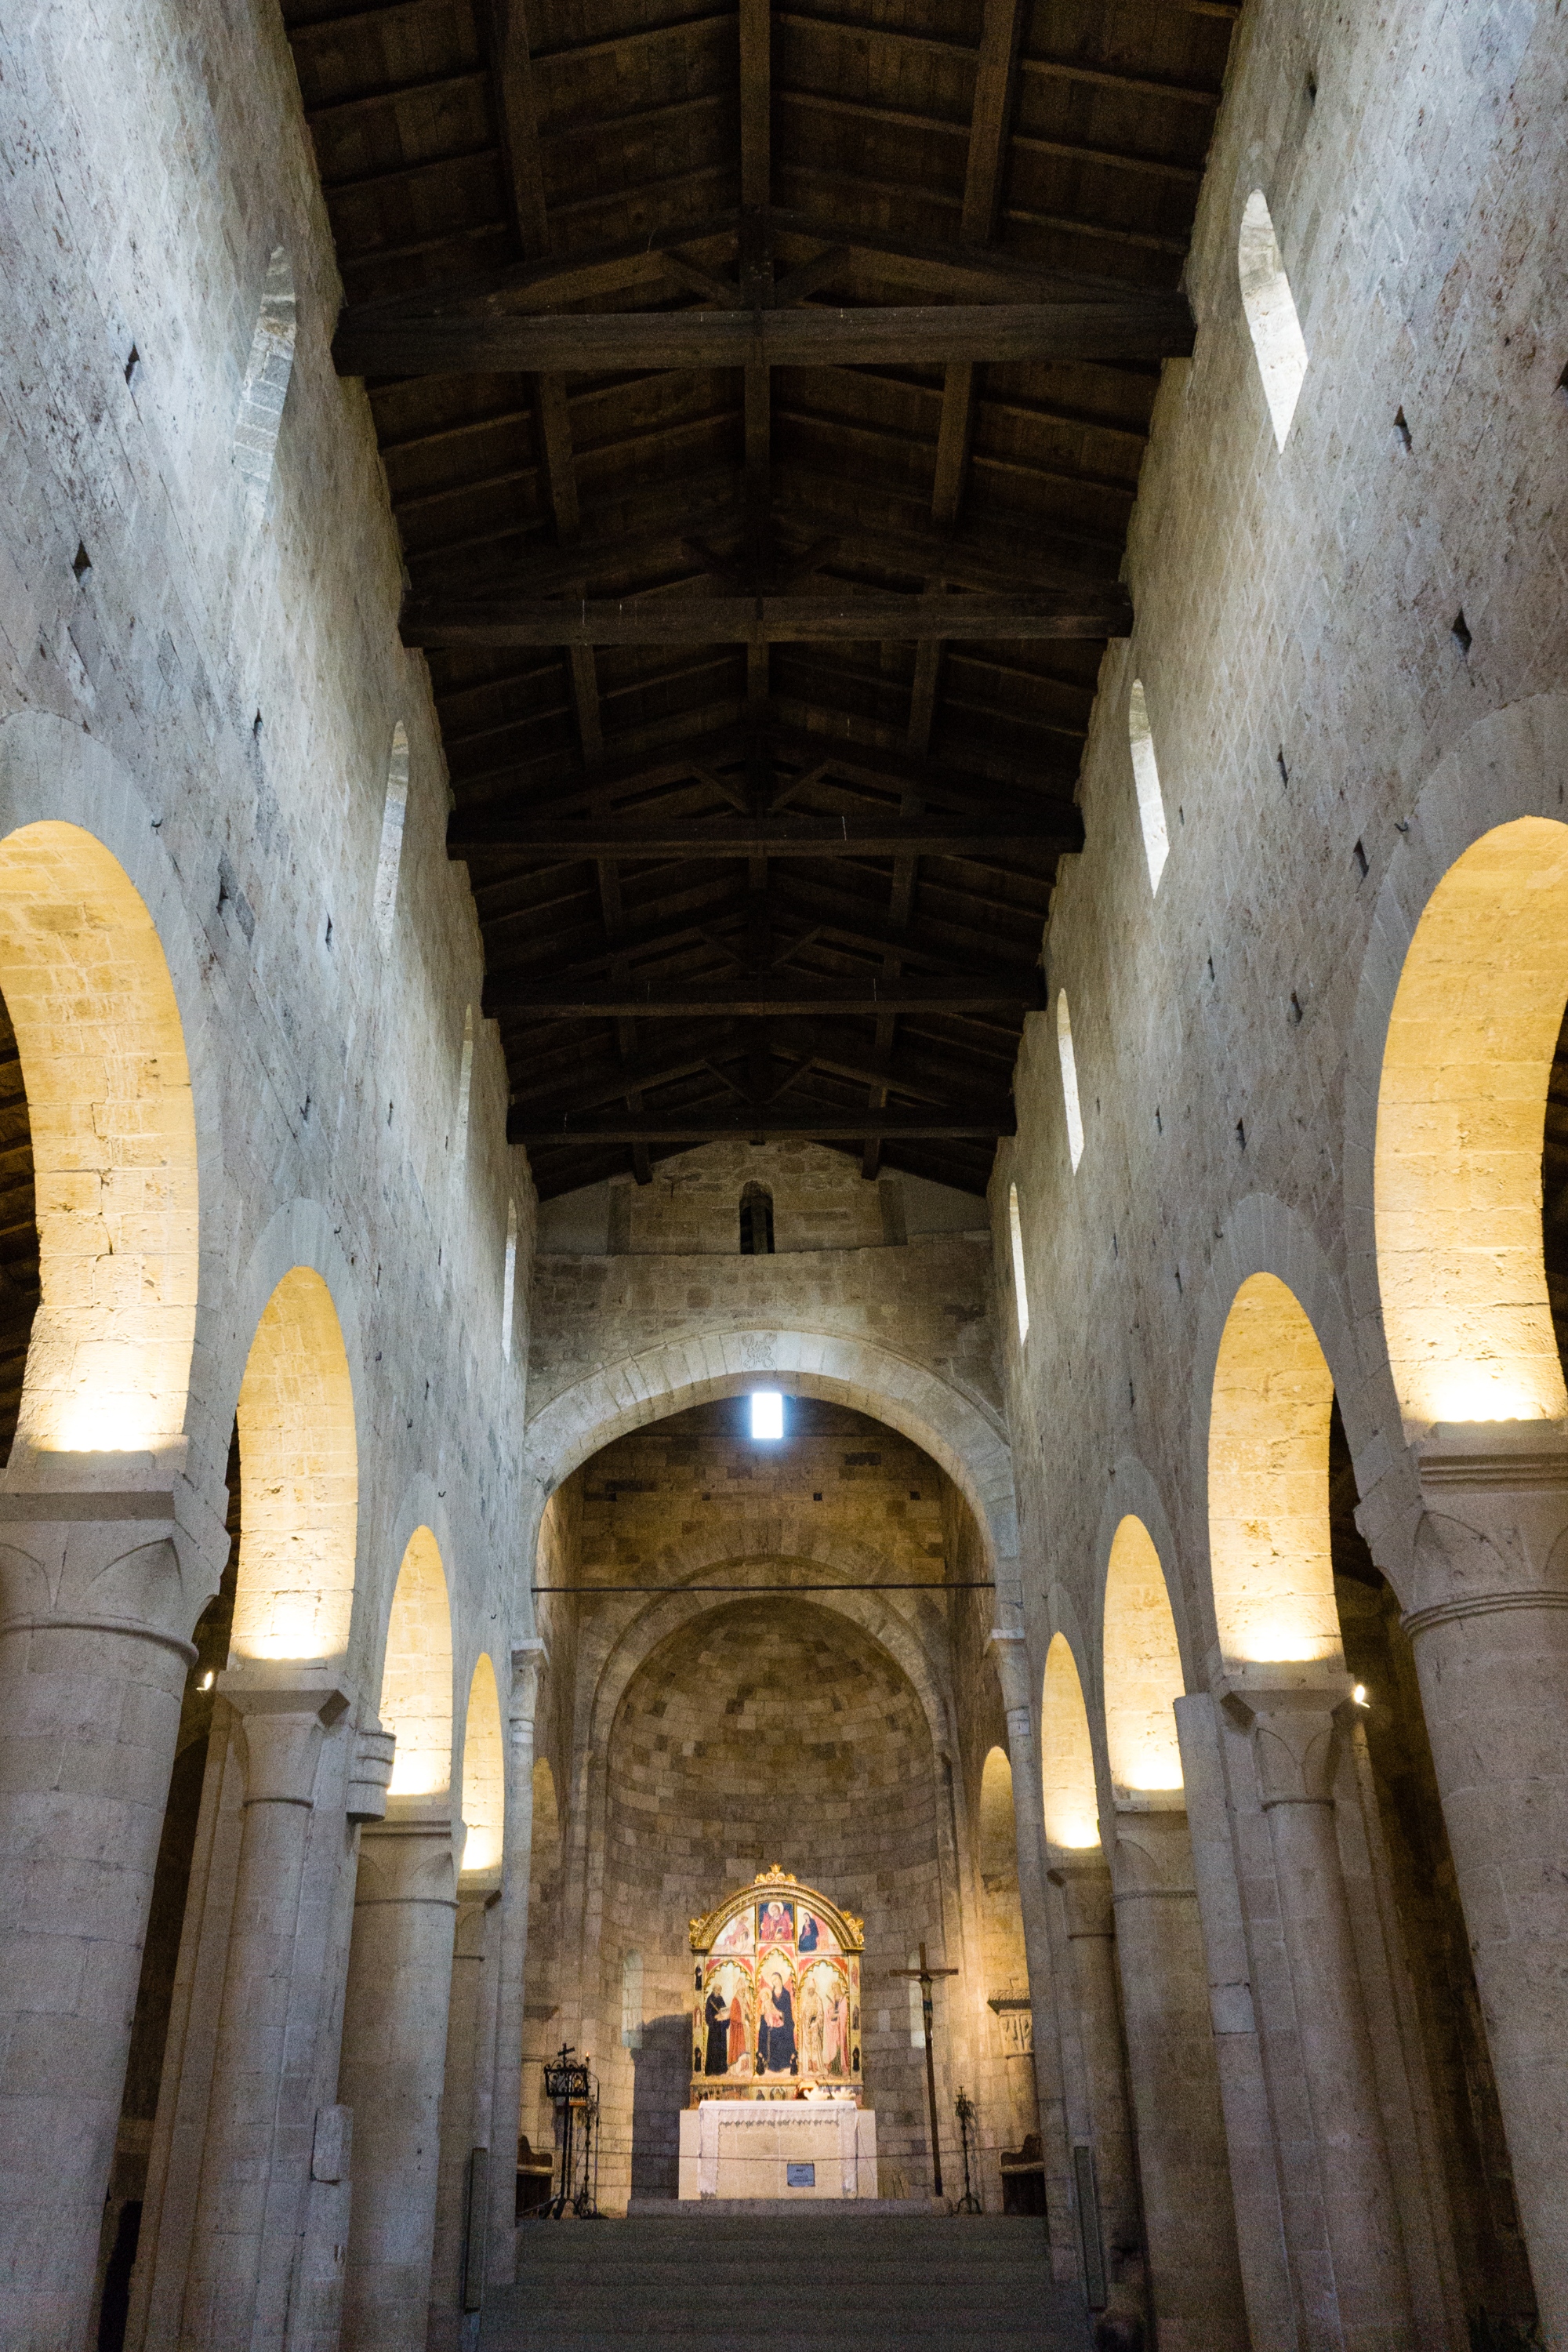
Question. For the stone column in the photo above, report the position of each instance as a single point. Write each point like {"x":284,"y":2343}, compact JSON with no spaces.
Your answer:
{"x":93,"y":1660}
{"x":528,"y":1659}
{"x":1488,"y":1625}
{"x":1009,"y":1652}
{"x":1295,"y":1717}
{"x":1090,"y":1922}
{"x":1194,"y":2276}
{"x":253,"y":2185}
{"x":393,"y":2061}
{"x":465,"y":2103}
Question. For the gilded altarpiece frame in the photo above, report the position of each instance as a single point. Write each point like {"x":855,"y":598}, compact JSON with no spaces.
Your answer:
{"x":776,"y":1987}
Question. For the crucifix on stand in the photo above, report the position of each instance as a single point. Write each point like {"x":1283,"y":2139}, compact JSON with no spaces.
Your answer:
{"x":925,"y":1977}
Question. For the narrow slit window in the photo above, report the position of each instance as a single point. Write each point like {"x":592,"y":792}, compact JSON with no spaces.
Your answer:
{"x":509,"y":1281}
{"x":389,"y":858}
{"x":1020,"y":1287}
{"x":1146,"y":778}
{"x":1070,"y":1079}
{"x":1271,"y":308}
{"x":465,"y":1089}
{"x":266,"y":386}
{"x":756,"y":1221}
{"x":631,"y":2001}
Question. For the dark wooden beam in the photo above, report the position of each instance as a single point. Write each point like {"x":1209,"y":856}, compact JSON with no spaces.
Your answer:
{"x":766,"y":1126}
{"x":682,"y":620}
{"x":755,"y":997}
{"x":763,"y":836}
{"x":1142,"y":326}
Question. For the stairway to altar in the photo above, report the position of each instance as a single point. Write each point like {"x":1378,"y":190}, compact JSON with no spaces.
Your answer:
{"x":802,"y":2282}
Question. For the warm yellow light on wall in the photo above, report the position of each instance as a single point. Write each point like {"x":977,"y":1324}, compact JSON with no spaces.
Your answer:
{"x":114,"y":1149}
{"x":417,"y":1680}
{"x":1461,"y":1115}
{"x":1269,"y":1482}
{"x":1067,"y":1757}
{"x":299,"y":1480}
{"x":1143,"y":1665}
{"x":484,"y":1772}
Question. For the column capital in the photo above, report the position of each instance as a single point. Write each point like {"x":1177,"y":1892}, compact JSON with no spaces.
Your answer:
{"x":284,"y":1707}
{"x":529,"y":1659}
{"x":1152,"y":1854}
{"x":1085,"y":1882}
{"x":1010,"y":1655}
{"x":1494,"y":1498}
{"x":1298,"y":1715}
{"x":370,"y":1771}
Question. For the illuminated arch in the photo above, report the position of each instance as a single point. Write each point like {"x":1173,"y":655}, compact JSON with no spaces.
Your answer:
{"x":299,"y":1480}
{"x":1269,"y":1481}
{"x":484,"y":1772}
{"x":1143,"y":1664}
{"x":1461,"y":1110}
{"x":998,"y":1835}
{"x":1066,"y":1754}
{"x":114,"y":1148}
{"x":416,"y":1679}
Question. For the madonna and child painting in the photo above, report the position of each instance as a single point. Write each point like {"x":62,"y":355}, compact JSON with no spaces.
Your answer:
{"x":778,"y":1994}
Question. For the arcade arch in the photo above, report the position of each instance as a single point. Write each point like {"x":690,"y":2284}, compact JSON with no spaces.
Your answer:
{"x":484,"y":1772}
{"x":1461,"y":1110}
{"x":1143,"y":1665}
{"x":1067,"y":1755}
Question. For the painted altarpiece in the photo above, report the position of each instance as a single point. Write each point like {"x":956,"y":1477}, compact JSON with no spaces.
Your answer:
{"x":776,"y":1984}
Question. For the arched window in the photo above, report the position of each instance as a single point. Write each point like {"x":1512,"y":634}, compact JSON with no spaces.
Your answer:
{"x":631,"y":2001}
{"x":1271,"y":318}
{"x":1020,"y":1287}
{"x":390,"y":856}
{"x":756,"y":1221}
{"x":465,"y":1089}
{"x":509,"y":1281}
{"x":1146,"y":778}
{"x":266,"y":386}
{"x":1070,"y":1079}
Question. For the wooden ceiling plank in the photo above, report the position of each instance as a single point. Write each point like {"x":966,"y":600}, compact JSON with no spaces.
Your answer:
{"x":762,"y":1123}
{"x":1142,"y":326}
{"x":783,"y":836}
{"x":756,"y":620}
{"x":728,"y":1000}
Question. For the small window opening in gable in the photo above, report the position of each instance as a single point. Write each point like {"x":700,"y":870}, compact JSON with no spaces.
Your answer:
{"x":1271,"y":318}
{"x":389,"y":857}
{"x":509,"y":1281}
{"x":1070,"y":1079}
{"x":1146,"y":777}
{"x":465,"y":1089}
{"x":266,"y":386}
{"x":1020,"y":1287}
{"x":756,"y":1221}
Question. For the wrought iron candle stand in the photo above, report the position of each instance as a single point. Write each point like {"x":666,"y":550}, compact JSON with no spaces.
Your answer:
{"x":964,"y":2108}
{"x":570,"y":2087}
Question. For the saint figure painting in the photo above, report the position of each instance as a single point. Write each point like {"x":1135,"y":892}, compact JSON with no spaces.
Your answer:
{"x":775,"y":2025}
{"x":716,"y":2017}
{"x":776,"y":1923}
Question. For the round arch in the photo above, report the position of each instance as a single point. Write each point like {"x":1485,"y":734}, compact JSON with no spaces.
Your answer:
{"x":1066,"y":1754}
{"x":484,"y":1771}
{"x":299,"y":1477}
{"x":790,"y":1541}
{"x":960,"y":1435}
{"x":415,"y":1702}
{"x":1269,"y":1562}
{"x":1142,"y":1665}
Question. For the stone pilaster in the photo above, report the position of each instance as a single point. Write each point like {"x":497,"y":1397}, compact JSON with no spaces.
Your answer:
{"x":1195,"y":2278}
{"x":1090,"y":1919}
{"x":529,"y":1659}
{"x":393,"y":2064}
{"x":1295,"y":1717}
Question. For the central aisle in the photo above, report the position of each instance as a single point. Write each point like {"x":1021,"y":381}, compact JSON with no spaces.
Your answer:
{"x":802,"y":2282}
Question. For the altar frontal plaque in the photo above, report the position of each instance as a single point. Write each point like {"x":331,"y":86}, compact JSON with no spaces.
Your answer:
{"x":777,"y":1994}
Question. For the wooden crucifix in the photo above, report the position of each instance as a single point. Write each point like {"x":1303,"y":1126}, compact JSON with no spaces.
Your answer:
{"x":925,"y":1977}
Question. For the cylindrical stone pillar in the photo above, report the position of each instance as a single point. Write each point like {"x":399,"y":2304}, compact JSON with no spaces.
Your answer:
{"x":1090,"y":1923}
{"x":1008,"y":1651}
{"x":1195,"y":2275}
{"x":466,"y":2099}
{"x":394,"y":2061}
{"x":90,"y":1707}
{"x":245,"y":2179}
{"x":528,"y":1659}
{"x":1295,"y":1727}
{"x":1488,"y":1626}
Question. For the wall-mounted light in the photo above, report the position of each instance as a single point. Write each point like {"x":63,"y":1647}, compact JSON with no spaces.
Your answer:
{"x":767,"y":1415}
{"x":207,"y":1680}
{"x":1360,"y":1697}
